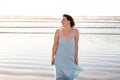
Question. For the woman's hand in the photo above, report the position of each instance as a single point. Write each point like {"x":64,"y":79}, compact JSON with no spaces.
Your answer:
{"x":52,"y":61}
{"x":76,"y":60}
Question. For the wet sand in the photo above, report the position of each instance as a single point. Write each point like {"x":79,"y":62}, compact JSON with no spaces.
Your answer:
{"x":27,"y":57}
{"x":8,"y":77}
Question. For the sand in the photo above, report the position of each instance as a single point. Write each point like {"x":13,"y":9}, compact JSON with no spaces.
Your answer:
{"x":9,"y":77}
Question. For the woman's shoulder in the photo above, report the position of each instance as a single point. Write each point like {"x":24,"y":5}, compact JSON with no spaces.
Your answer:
{"x":57,"y":31}
{"x":76,"y":30}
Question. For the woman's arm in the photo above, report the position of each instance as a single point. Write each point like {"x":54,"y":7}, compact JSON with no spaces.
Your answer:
{"x":55,"y":45}
{"x":76,"y":45}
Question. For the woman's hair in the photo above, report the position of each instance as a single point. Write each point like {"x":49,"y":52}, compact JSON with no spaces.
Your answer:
{"x":72,"y":23}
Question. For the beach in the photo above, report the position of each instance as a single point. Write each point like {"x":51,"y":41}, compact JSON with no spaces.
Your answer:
{"x":25,"y":58}
{"x":25,"y":53}
{"x":5,"y":77}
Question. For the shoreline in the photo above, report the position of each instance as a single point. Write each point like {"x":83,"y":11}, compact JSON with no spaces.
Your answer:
{"x":37,"y":18}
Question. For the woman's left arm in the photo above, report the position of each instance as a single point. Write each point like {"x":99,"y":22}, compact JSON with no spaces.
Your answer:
{"x":76,"y":32}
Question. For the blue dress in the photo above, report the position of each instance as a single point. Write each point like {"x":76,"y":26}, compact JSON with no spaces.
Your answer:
{"x":65,"y":66}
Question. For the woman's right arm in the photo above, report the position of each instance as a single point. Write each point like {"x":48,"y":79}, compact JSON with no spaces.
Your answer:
{"x":55,"y":45}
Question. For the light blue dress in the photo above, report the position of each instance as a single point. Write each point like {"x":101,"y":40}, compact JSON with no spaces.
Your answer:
{"x":65,"y":66}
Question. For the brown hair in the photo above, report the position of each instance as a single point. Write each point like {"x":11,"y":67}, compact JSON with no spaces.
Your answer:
{"x":72,"y":23}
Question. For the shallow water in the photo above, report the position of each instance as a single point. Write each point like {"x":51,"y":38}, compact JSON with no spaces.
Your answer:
{"x":30,"y":55}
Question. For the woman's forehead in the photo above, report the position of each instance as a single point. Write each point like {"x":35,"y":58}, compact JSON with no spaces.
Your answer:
{"x":64,"y":18}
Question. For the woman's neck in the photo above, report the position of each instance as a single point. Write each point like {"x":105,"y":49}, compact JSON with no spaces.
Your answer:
{"x":68,"y":27}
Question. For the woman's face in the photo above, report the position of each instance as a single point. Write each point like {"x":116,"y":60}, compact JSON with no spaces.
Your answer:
{"x":64,"y":21}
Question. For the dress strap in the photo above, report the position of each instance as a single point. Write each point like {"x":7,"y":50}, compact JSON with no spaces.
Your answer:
{"x":60,"y":32}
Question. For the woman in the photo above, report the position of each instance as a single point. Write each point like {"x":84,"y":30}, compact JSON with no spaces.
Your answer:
{"x":65,"y":50}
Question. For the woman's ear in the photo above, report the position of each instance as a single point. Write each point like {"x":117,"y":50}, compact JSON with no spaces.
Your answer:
{"x":69,"y":21}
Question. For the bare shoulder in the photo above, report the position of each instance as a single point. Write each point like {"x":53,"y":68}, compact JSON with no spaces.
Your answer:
{"x":76,"y":31}
{"x":57,"y":32}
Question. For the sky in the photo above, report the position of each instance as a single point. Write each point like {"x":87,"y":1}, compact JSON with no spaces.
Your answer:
{"x":56,"y":8}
